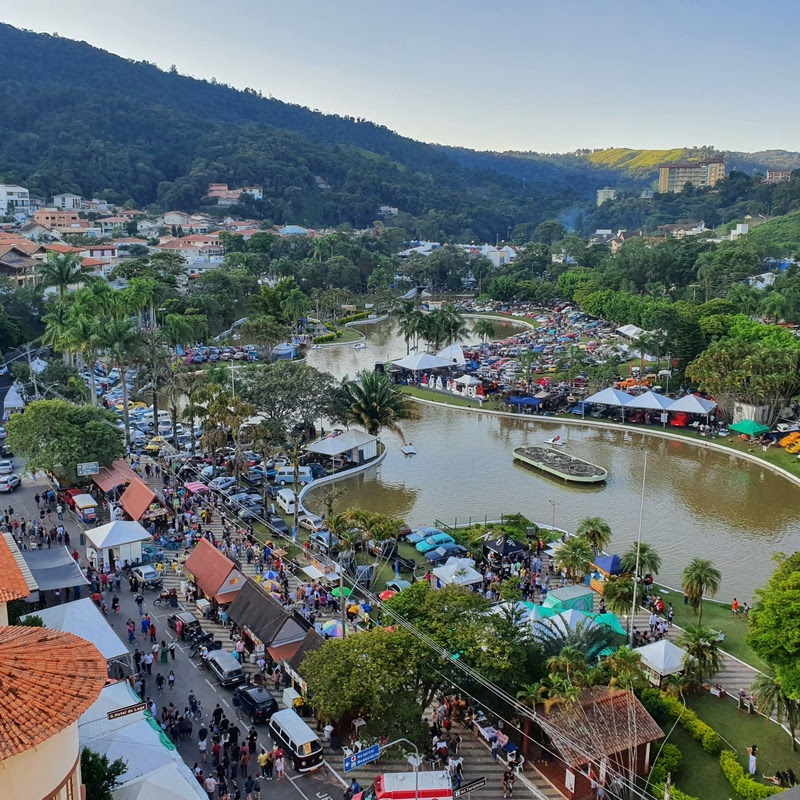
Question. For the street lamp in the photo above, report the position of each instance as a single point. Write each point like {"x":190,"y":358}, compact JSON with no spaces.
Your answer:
{"x":553,"y":503}
{"x":638,"y":550}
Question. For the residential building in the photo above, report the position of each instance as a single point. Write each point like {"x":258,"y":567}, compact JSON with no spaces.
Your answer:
{"x":680,"y":230}
{"x":778,"y":175}
{"x":605,"y":194}
{"x":106,"y":253}
{"x":177,"y":218}
{"x":67,"y":200}
{"x":14,"y":200}
{"x":19,"y":266}
{"x":37,"y":203}
{"x":56,"y":218}
{"x":229,"y":197}
{"x":621,"y":238}
{"x":388,"y":211}
{"x":673,"y":177}
{"x":601,"y":236}
{"x":36,"y":232}
{"x":740,"y":230}
{"x":110,"y":224}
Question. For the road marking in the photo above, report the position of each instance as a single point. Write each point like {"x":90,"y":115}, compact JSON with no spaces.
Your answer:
{"x":300,"y":791}
{"x":213,"y":688}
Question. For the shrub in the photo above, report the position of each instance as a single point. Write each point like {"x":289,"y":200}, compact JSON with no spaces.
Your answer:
{"x":668,"y":761}
{"x":664,"y":707}
{"x":353,"y":317}
{"x":326,"y":337}
{"x":740,"y":781}
{"x":675,"y":794}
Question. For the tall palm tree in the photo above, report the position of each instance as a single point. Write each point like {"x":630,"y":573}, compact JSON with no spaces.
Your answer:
{"x":295,"y":305}
{"x":409,"y":322}
{"x":772,"y":699}
{"x":570,"y":663}
{"x":774,"y":306}
{"x":484,"y":328}
{"x":618,"y":595}
{"x":587,"y":637}
{"x":649,"y":559}
{"x":58,"y":323}
{"x":574,"y":557}
{"x":700,"y":577}
{"x":596,"y":531}
{"x":121,"y":339}
{"x":61,"y":270}
{"x":84,"y":336}
{"x":703,"y":659}
{"x":374,"y":402}
{"x":152,"y":358}
{"x":626,"y":668}
{"x":454,"y":324}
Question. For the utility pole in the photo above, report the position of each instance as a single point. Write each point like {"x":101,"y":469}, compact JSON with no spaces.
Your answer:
{"x":30,"y":369}
{"x":638,"y":549}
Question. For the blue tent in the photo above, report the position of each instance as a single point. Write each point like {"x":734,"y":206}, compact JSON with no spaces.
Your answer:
{"x":524,"y":401}
{"x":609,"y":564}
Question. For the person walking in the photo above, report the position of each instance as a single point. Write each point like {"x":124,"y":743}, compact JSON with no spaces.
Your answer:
{"x":280,"y":766}
{"x":236,"y":702}
{"x":160,"y":681}
{"x":139,"y":600}
{"x":152,"y":628}
{"x":172,"y":649}
{"x":131,"y":626}
{"x":508,"y":783}
{"x":171,"y":681}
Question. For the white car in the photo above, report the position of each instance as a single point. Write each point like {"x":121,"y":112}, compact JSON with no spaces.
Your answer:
{"x":6,"y":467}
{"x":311,"y":522}
{"x":9,"y":483}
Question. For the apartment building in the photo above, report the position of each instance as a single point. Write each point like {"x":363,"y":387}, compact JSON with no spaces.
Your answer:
{"x":14,"y":199}
{"x":778,"y":175}
{"x":673,"y":177}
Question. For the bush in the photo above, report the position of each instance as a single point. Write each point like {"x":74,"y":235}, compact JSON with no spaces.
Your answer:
{"x":740,"y":781}
{"x":667,"y":762}
{"x":664,"y":707}
{"x":675,"y":794}
{"x":326,"y":337}
{"x":353,"y":317}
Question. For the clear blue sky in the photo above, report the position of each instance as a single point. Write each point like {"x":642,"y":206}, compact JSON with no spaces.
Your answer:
{"x":546,"y":75}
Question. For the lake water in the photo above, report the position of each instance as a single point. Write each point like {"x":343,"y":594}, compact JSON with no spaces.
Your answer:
{"x":698,"y":502}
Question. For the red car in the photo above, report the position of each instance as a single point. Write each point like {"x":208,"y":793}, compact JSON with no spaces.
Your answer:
{"x":680,"y":420}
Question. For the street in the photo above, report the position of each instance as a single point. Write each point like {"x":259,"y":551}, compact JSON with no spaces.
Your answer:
{"x":321,"y":785}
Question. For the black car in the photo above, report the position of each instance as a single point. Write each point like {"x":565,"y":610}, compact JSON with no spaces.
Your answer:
{"x":191,"y":625}
{"x":253,"y":478}
{"x":317,"y":470}
{"x":277,"y":524}
{"x":251,"y":512}
{"x":258,"y":703}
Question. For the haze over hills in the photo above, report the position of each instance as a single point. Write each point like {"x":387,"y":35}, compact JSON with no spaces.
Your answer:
{"x":80,"y":119}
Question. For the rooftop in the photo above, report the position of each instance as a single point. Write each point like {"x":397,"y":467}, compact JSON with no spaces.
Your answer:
{"x":47,"y":680}
{"x":13,"y":585}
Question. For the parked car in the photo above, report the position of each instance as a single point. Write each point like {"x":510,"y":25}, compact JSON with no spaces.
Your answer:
{"x":421,"y":533}
{"x":244,"y":498}
{"x":317,"y":470}
{"x":277,"y":524}
{"x":432,"y":542}
{"x":444,"y":552}
{"x":311,"y":522}
{"x":191,"y":625}
{"x":397,"y":585}
{"x":6,"y":466}
{"x":383,"y":548}
{"x":680,"y":420}
{"x":253,"y":478}
{"x":9,"y":483}
{"x":325,"y":542}
{"x":251,"y":513}
{"x":258,"y":703}
{"x":222,"y":483}
{"x":148,"y":576}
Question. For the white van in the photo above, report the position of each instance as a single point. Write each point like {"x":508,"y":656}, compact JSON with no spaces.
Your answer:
{"x":287,"y":500}
{"x":285,"y":475}
{"x":147,"y":417}
{"x":302,"y":746}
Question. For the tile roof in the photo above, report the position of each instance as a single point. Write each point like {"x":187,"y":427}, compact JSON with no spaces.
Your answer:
{"x":118,"y":474}
{"x":47,"y":680}
{"x":213,"y":572}
{"x":13,"y":585}
{"x":137,"y":498}
{"x":602,"y":722}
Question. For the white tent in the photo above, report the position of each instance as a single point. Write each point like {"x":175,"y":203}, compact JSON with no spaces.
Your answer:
{"x":416,"y":362}
{"x":38,"y":365}
{"x":468,"y":380}
{"x":630,"y":331}
{"x":652,"y":401}
{"x":117,"y":540}
{"x":166,"y":783}
{"x":457,"y":572}
{"x":343,"y":443}
{"x":454,"y":354}
{"x":13,"y":400}
{"x":519,"y":608}
{"x":563,"y":622}
{"x":609,"y":397}
{"x":94,"y":722}
{"x":83,"y":618}
{"x":661,"y":658}
{"x":692,"y":404}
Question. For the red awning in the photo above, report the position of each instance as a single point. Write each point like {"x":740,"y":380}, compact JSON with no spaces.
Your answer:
{"x":284,"y":651}
{"x":118,"y":474}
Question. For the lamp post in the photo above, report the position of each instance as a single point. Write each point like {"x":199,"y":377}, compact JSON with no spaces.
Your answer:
{"x":553,"y":504}
{"x":414,"y":760}
{"x":638,"y":550}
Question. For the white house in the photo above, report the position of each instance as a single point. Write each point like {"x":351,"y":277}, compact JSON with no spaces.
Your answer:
{"x":14,"y":200}
{"x":177,"y":218}
{"x":68,"y":201}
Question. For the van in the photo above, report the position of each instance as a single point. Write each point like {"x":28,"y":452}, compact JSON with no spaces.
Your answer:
{"x":226,"y":669}
{"x":301,"y":745}
{"x":147,"y":417}
{"x":287,"y":500}
{"x":85,"y":507}
{"x":285,"y":475}
{"x":403,"y":786}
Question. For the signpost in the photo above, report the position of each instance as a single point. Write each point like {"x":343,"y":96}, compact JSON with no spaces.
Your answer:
{"x":365,"y":756}
{"x":478,"y":783}
{"x":88,"y":468}
{"x":126,"y":710}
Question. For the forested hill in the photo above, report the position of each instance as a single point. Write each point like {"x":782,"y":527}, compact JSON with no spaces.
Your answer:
{"x":76,"y":118}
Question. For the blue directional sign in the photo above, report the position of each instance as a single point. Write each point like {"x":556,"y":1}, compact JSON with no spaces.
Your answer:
{"x":365,"y":756}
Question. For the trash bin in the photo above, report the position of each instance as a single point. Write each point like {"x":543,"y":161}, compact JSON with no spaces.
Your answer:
{"x":326,"y":732}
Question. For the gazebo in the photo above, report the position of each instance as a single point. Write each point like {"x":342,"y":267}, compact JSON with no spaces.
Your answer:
{"x":421,"y":362}
{"x":117,"y":542}
{"x":576,"y":597}
{"x":660,"y":659}
{"x":503,"y":546}
{"x":355,"y":445}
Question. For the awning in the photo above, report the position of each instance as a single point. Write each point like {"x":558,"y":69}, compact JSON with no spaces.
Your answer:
{"x":115,"y":534}
{"x":118,"y":474}
{"x":343,"y":443}
{"x":255,"y":610}
{"x":524,"y":401}
{"x":285,"y":651}
{"x":195,"y":486}
{"x":214,"y":573}
{"x":137,"y":498}
{"x":54,"y":568}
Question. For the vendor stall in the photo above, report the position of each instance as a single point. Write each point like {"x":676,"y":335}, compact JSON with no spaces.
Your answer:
{"x":116,"y":543}
{"x":213,"y":573}
{"x":580,"y":598}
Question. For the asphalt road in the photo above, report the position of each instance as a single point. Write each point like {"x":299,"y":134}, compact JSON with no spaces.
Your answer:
{"x":320,"y":785}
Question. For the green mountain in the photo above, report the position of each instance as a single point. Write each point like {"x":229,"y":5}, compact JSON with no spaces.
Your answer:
{"x":80,"y":119}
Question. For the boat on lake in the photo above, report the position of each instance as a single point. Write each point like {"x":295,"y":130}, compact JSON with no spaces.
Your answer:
{"x":360,"y":346}
{"x":560,"y":464}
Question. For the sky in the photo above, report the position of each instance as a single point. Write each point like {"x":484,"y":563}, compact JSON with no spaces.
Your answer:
{"x":543,"y":75}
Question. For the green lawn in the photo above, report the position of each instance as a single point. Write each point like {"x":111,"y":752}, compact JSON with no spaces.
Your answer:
{"x":349,"y":335}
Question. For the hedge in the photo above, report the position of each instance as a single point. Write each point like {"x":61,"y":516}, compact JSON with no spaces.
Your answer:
{"x":741,"y":782}
{"x":662,"y":705}
{"x":675,"y":794}
{"x":668,"y":760}
{"x":353,"y":317}
{"x":327,"y":337}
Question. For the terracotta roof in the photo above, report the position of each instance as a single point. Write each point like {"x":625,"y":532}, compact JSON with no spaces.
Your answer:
{"x":214,"y":573}
{"x":602,"y":722}
{"x":47,"y":680}
{"x":92,"y":262}
{"x":63,"y":248}
{"x":118,"y":474}
{"x":13,"y":585}
{"x":137,"y":498}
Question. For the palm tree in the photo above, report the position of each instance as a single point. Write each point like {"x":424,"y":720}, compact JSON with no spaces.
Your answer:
{"x":57,"y":329}
{"x":409,"y":322}
{"x":570,"y":663}
{"x":153,"y":359}
{"x":295,"y":305}
{"x":61,"y":270}
{"x":587,"y":637}
{"x":84,"y":336}
{"x":596,"y":531}
{"x":771,"y":699}
{"x":374,"y":402}
{"x":121,"y":338}
{"x":618,"y":595}
{"x":484,"y":328}
{"x":453,"y":323}
{"x":702,"y":651}
{"x":649,"y":559}
{"x":626,"y":668}
{"x":574,"y":557}
{"x":700,"y":577}
{"x":774,"y":306}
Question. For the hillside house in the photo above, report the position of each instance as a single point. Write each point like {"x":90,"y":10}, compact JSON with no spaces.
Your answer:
{"x":68,"y":201}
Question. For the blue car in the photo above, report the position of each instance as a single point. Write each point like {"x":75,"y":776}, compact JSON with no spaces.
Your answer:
{"x":420,"y":534}
{"x":440,"y":554}
{"x":432,"y":542}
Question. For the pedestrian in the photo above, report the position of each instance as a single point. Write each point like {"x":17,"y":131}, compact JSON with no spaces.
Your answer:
{"x":494,"y":748}
{"x":145,"y":624}
{"x":735,"y":607}
{"x":160,"y":681}
{"x":172,"y":650}
{"x":263,"y":757}
{"x":752,"y":752}
{"x":115,"y":604}
{"x":508,"y":783}
{"x":37,"y":498}
{"x":171,"y":681}
{"x":256,"y":788}
{"x":236,"y":701}
{"x":248,"y":787}
{"x":163,"y":654}
{"x":210,"y":785}
{"x":152,"y":628}
{"x":280,"y":766}
{"x":139,"y":600}
{"x":131,"y":626}
{"x":148,"y":663}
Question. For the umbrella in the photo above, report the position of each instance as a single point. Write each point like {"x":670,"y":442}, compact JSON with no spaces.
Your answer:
{"x":334,"y":628}
{"x":277,"y":597}
{"x":271,"y":575}
{"x":271,"y":586}
{"x":338,"y":592}
{"x":386,"y":594}
{"x":749,"y":427}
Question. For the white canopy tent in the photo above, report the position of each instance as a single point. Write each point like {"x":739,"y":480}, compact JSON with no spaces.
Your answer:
{"x":13,"y":400}
{"x":457,"y":572}
{"x":119,"y":541}
{"x":454,"y":354}
{"x":166,"y":783}
{"x":652,"y":401}
{"x":468,"y":380}
{"x":609,"y":397}
{"x":630,"y":331}
{"x":661,"y":658}
{"x":417,"y":362}
{"x":692,"y":404}
{"x":344,"y":442}
{"x":563,"y":622}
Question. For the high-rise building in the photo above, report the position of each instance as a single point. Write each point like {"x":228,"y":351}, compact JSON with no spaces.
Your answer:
{"x":673,"y":177}
{"x":14,"y":199}
{"x":605,"y":194}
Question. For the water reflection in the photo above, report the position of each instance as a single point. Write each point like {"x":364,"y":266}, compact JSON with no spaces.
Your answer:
{"x":698,"y":502}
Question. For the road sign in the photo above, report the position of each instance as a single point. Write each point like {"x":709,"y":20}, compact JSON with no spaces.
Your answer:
{"x":88,"y":468}
{"x":126,"y":710}
{"x":478,"y":783}
{"x":365,"y":756}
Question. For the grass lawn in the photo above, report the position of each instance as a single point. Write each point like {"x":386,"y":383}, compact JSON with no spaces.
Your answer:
{"x":699,"y":774}
{"x":349,"y":335}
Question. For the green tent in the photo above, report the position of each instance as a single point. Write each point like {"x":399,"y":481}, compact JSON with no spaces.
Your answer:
{"x":749,"y":427}
{"x":611,"y":621}
{"x":578,"y":597}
